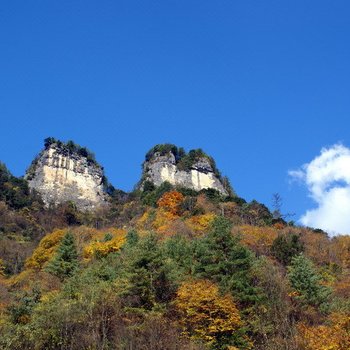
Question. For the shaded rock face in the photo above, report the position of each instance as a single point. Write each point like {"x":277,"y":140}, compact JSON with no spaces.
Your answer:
{"x":200,"y":175}
{"x":59,"y":177}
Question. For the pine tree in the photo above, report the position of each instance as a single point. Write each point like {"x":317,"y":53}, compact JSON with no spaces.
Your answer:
{"x":147,"y":274}
{"x":65,"y":263}
{"x":307,"y":283}
{"x":221,"y":258}
{"x":284,"y":247}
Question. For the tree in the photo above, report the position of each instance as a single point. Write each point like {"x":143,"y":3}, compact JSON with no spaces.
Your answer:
{"x":171,"y":202}
{"x":20,"y":312}
{"x":65,"y":263}
{"x":277,"y":205}
{"x":306,"y":282}
{"x":221,"y":258}
{"x":49,"y":141}
{"x":284,"y":247}
{"x":333,"y":336}
{"x":146,"y":280}
{"x":13,"y":191}
{"x":205,"y":314}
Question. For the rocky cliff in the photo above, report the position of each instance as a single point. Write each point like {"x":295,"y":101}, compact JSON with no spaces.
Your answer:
{"x":194,"y":170}
{"x":67,"y":172}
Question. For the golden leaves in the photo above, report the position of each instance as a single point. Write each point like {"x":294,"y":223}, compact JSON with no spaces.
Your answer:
{"x":45,"y":251}
{"x":204,"y":313}
{"x":103,"y":243}
{"x":335,"y":336}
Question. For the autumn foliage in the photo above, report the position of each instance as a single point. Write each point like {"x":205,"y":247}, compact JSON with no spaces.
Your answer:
{"x":334,"y":336}
{"x":45,"y":250}
{"x":170,"y":269}
{"x":171,"y":202}
{"x":207,"y":315}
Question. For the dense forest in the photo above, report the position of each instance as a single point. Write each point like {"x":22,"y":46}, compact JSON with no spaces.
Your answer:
{"x":167,"y":268}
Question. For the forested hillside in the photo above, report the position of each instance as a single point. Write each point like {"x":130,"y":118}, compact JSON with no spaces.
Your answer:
{"x":167,"y":268}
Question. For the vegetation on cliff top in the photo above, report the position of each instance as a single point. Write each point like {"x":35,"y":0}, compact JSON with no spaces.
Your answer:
{"x":184,"y":160}
{"x":71,"y":147}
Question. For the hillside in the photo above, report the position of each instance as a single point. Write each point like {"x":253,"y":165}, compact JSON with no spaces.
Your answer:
{"x":168,"y":266}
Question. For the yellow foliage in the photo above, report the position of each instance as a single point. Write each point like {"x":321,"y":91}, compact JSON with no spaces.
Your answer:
{"x":336,"y":336}
{"x":45,"y":251}
{"x":200,"y":223}
{"x":2,"y":268}
{"x":101,"y":247}
{"x":141,"y":222}
{"x":22,"y":280}
{"x":46,"y":297}
{"x":83,"y":235}
{"x":258,"y":238}
{"x":204,"y":313}
{"x":162,"y":220}
{"x":159,"y":220}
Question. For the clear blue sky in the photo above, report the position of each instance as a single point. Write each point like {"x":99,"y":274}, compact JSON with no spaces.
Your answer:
{"x":262,"y":86}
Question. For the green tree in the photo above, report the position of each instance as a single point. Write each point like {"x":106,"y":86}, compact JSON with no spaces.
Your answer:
{"x":65,"y":263}
{"x":179,"y":254}
{"x":221,"y":258}
{"x":132,"y":238}
{"x":146,"y":273}
{"x":20,"y":311}
{"x":284,"y":247}
{"x":49,"y":141}
{"x":304,"y":278}
{"x":13,"y":190}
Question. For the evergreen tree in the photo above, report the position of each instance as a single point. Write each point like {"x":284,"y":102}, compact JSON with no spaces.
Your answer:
{"x":284,"y":247}
{"x":65,"y":263}
{"x":147,"y":274}
{"x":221,"y":258}
{"x":132,"y":238}
{"x":305,"y":280}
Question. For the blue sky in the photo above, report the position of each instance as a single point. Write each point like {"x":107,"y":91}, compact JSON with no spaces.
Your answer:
{"x":262,"y":86}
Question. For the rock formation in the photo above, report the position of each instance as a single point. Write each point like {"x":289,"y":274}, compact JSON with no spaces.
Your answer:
{"x":194,"y":170}
{"x":65,"y":172}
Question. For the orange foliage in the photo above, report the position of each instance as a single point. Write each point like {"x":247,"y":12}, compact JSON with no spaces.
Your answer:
{"x":165,"y":215}
{"x":204,"y":313}
{"x":317,"y":246}
{"x":259,"y":239}
{"x":170,"y":202}
{"x":45,"y":251}
{"x":340,"y":249}
{"x":279,"y":226}
{"x":204,"y":204}
{"x":336,"y":336}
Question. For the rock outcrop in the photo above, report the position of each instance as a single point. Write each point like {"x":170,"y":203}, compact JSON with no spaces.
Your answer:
{"x":194,"y":170}
{"x":65,"y":172}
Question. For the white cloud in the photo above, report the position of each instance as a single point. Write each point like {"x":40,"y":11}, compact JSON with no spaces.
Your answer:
{"x":327,"y":178}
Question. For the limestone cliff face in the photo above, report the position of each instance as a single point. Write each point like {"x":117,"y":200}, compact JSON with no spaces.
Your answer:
{"x":197,"y":175}
{"x":60,"y":175}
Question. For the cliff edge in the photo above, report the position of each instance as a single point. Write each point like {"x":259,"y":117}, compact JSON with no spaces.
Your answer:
{"x":195,"y":169}
{"x":65,"y":172}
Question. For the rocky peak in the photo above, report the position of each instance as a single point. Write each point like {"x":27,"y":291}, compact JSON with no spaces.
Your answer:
{"x":67,"y":172}
{"x":195,"y":169}
{"x":168,"y":158}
